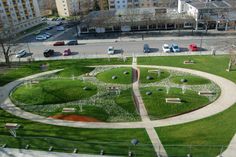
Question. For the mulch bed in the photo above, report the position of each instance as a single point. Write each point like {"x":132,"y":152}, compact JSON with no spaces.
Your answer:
{"x":75,"y":118}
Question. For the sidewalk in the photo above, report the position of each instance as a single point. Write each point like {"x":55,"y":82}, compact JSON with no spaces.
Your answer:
{"x":231,"y":150}
{"x":139,"y":39}
{"x":10,"y":152}
{"x":155,"y":35}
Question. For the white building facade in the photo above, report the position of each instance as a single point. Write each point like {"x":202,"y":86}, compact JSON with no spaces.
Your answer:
{"x":67,"y":8}
{"x":124,"y":4}
{"x":20,"y":14}
{"x":218,"y":14}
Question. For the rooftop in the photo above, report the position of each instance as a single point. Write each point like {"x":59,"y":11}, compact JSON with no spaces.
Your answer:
{"x":202,"y":4}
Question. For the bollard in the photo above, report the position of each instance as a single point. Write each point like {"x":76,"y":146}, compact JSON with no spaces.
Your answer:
{"x":102,"y":152}
{"x":129,"y":154}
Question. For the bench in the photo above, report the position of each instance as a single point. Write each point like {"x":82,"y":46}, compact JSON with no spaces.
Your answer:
{"x":68,"y":110}
{"x":206,"y":93}
{"x":113,"y":88}
{"x":173,"y":100}
{"x":12,"y":125}
{"x":88,"y":75}
{"x":153,"y":71}
{"x":189,"y":62}
{"x":34,"y":82}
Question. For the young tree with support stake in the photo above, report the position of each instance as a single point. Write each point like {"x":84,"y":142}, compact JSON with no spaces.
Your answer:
{"x":232,"y":59}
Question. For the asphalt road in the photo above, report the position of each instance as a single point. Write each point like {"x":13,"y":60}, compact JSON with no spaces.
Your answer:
{"x":130,"y":46}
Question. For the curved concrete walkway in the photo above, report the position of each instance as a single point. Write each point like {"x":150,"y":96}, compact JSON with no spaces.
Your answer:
{"x":230,"y":151}
{"x":226,"y":100}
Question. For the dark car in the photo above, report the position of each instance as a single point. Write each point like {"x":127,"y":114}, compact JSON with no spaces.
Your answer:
{"x":59,"y":43}
{"x":49,"y":28}
{"x":146,"y":48}
{"x":48,"y":52}
{"x":72,"y":42}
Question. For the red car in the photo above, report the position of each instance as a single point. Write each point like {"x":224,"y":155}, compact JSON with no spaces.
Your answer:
{"x":59,"y":43}
{"x":193,"y":47}
{"x":67,"y":52}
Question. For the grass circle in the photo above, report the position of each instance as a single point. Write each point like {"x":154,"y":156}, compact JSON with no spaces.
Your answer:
{"x":191,"y":80}
{"x":121,"y":78}
{"x":53,"y":92}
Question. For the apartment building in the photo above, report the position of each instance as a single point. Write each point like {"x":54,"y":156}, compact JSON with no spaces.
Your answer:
{"x":124,"y":4}
{"x":47,"y":7}
{"x":19,"y":14}
{"x":103,"y":4}
{"x":67,"y":8}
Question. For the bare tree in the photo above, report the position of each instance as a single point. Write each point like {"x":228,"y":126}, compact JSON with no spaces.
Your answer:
{"x":7,"y":42}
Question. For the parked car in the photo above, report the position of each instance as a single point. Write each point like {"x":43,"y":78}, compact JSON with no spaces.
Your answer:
{"x":48,"y":52}
{"x":193,"y":47}
{"x":48,"y":35}
{"x":59,"y":43}
{"x":49,"y":28}
{"x":60,"y":28}
{"x":54,"y":19}
{"x":111,"y":50}
{"x":72,"y":42}
{"x":20,"y":53}
{"x":146,"y":48}
{"x":44,"y":19}
{"x":166,"y":48}
{"x":175,"y":48}
{"x":40,"y":37}
{"x":67,"y":52}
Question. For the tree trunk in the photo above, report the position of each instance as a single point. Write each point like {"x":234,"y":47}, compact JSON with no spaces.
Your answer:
{"x":7,"y":61}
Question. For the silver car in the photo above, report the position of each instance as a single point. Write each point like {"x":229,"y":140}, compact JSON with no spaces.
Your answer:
{"x":20,"y":53}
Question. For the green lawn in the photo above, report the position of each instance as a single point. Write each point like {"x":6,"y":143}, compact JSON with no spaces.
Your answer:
{"x":122,"y":78}
{"x":191,"y":80}
{"x":125,"y":100}
{"x":158,"y":108}
{"x":154,"y":75}
{"x":78,"y":66}
{"x":53,"y":92}
{"x":209,"y":135}
{"x":217,"y":130}
{"x":212,"y":64}
{"x":74,"y":70}
{"x":65,"y":139}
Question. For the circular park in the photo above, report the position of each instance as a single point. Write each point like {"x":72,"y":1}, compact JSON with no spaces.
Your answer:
{"x":88,"y":103}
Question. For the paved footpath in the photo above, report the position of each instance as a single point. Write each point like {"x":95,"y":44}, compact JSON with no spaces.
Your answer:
{"x":156,"y":142}
{"x":10,"y":152}
{"x":231,"y":150}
